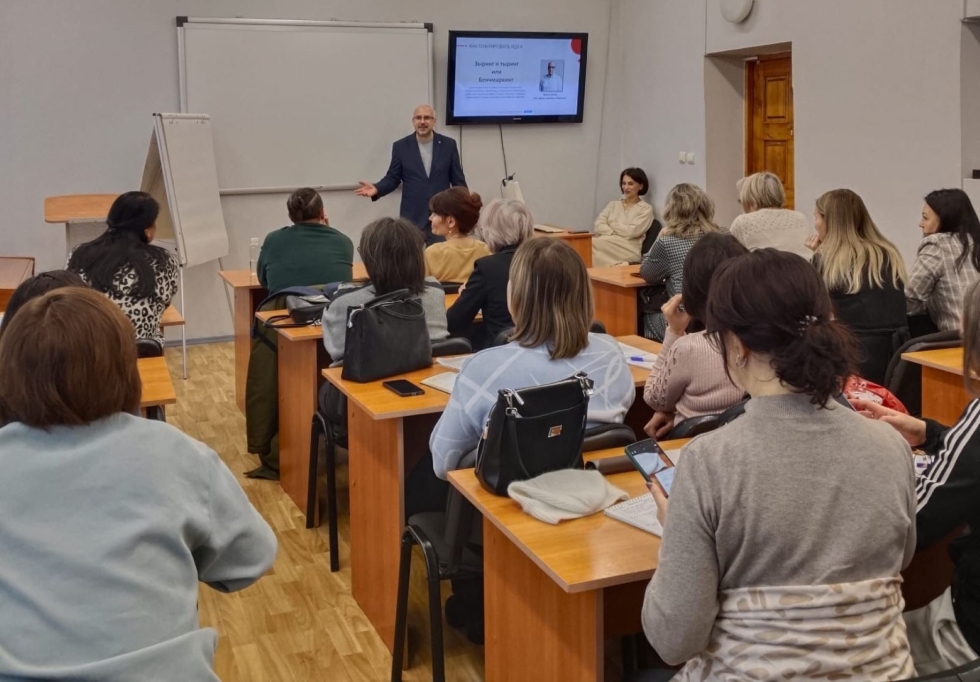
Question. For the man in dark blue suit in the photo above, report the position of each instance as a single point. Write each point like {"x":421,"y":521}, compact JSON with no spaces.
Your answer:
{"x":426,"y":163}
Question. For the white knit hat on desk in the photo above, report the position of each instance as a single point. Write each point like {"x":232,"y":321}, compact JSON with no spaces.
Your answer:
{"x":565,"y":494}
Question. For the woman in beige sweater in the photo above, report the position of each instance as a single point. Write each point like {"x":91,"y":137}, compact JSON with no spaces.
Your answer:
{"x":454,"y":214}
{"x":620,"y":228}
{"x":688,"y":378}
{"x":765,"y":223}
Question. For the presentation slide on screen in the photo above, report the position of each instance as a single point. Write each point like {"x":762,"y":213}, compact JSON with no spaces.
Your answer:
{"x":517,"y":76}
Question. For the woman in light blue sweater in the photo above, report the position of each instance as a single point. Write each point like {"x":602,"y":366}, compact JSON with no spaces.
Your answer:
{"x":550,"y":299}
{"x":107,"y":521}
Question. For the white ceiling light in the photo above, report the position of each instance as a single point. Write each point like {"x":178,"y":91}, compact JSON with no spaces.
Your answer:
{"x":736,"y":11}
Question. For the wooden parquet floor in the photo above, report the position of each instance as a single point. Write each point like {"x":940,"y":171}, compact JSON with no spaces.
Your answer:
{"x":300,"y":621}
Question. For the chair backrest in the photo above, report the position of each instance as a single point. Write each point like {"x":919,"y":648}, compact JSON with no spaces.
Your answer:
{"x":904,"y":379}
{"x":148,"y":348}
{"x":605,"y":436}
{"x":733,"y":412}
{"x":969,"y":672}
{"x":456,"y":345}
{"x":877,"y":347}
{"x":695,"y":426}
{"x":650,"y":237}
{"x":451,"y":287}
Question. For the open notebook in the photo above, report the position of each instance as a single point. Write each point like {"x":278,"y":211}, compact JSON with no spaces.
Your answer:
{"x":639,"y":512}
{"x":441,"y":382}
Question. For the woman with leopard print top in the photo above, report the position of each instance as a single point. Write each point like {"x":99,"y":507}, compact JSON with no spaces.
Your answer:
{"x":139,"y":277}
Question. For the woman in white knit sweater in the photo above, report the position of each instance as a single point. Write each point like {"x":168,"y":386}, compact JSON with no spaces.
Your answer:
{"x":688,"y":378}
{"x":765,"y":223}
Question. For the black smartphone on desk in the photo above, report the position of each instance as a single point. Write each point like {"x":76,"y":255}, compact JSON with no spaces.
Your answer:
{"x":647,"y":456}
{"x":403,"y":388}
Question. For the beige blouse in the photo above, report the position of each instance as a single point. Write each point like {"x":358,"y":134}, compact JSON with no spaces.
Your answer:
{"x":452,"y":260}
{"x":619,"y":232}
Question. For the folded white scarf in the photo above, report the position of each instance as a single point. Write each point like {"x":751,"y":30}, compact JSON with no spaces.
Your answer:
{"x":565,"y":494}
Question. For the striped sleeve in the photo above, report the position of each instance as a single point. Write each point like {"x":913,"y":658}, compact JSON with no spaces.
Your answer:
{"x":949,"y":490}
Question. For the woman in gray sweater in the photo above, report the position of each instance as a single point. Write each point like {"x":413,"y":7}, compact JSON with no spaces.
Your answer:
{"x":108,"y":521}
{"x":787,"y":528}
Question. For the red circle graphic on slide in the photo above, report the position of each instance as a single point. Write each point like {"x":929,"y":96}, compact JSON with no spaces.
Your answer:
{"x":577,"y":46}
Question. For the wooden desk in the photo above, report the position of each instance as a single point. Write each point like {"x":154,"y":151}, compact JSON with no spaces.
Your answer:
{"x":83,"y":214}
{"x":171,"y":318}
{"x":13,"y":271}
{"x":386,"y":437}
{"x":943,"y":394}
{"x":158,"y":389}
{"x":580,"y":241}
{"x":615,"y":292}
{"x":554,"y":594}
{"x":248,"y":294}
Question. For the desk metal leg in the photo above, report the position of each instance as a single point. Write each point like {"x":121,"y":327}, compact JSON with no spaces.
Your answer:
{"x":534,"y":629}
{"x":615,"y":307}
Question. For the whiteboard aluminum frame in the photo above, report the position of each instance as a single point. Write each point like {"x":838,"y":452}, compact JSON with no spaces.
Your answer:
{"x":182,"y":77}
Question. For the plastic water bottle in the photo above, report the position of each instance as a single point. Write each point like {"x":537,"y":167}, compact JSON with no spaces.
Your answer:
{"x":253,"y":254}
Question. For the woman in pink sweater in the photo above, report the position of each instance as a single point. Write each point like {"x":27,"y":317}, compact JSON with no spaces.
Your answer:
{"x":688,"y":378}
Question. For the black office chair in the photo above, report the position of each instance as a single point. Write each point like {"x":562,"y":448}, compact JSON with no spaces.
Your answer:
{"x":451,"y":287}
{"x":321,"y":426}
{"x":732,"y":413}
{"x":904,"y":379}
{"x":605,"y":436}
{"x":151,"y":348}
{"x":877,"y":347}
{"x":650,"y":237}
{"x":694,"y":426}
{"x":965,"y":673}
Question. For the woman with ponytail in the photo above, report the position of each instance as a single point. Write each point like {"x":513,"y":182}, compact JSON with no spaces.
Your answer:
{"x":454,"y":214}
{"x":123,"y":264}
{"x":788,"y":527}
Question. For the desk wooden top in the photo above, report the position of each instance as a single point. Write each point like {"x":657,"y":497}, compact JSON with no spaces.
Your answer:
{"x":72,"y":208}
{"x":380,"y":403}
{"x":619,"y":275}
{"x":171,"y":318}
{"x":579,"y":555}
{"x":14,"y":270}
{"x":564,"y":234}
{"x":944,"y":359}
{"x":158,"y":389}
{"x":307,"y":333}
{"x":243,"y":279}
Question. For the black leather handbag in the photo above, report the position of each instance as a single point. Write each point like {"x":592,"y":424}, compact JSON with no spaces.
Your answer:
{"x":386,"y":336}
{"x":532,"y":431}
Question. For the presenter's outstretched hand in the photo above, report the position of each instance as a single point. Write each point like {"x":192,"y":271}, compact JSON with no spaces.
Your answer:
{"x":366,"y":189}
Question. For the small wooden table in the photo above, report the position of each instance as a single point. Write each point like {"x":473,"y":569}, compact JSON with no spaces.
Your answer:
{"x":247,"y":295}
{"x":158,"y":389}
{"x":580,"y":241}
{"x":386,"y":436}
{"x":615,"y":291}
{"x":554,"y":594}
{"x":13,"y":271}
{"x":943,"y":394}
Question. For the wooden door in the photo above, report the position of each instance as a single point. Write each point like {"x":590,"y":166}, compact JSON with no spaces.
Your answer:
{"x":769,"y":120}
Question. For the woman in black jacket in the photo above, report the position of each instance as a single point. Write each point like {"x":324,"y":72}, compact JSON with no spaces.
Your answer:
{"x":504,"y":225}
{"x":946,"y":633}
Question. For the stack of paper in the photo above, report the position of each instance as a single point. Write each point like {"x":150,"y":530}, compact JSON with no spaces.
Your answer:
{"x":454,"y":363}
{"x":639,"y":512}
{"x":441,"y":382}
{"x":635,"y":356}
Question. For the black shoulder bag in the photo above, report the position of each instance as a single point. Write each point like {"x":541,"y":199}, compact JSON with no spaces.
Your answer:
{"x":386,"y":336}
{"x":532,"y":431}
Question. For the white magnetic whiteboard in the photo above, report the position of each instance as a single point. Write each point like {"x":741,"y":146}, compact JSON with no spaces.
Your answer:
{"x":180,"y":174}
{"x":296,"y":103}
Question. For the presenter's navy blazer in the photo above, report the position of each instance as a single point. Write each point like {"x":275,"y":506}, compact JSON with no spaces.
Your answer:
{"x":407,"y":168}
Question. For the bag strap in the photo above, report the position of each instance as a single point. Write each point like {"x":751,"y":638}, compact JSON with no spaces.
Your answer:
{"x":391,"y":297}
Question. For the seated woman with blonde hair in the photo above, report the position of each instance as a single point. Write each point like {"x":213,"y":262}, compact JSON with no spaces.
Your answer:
{"x":865,"y":275}
{"x":108,"y":521}
{"x":765,"y":223}
{"x":620,"y":228}
{"x":689,"y":214}
{"x":454,"y":215}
